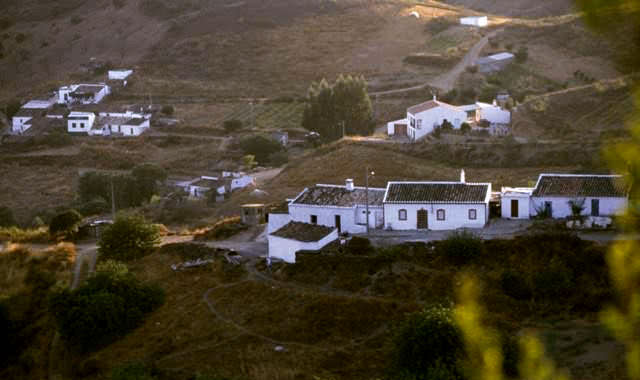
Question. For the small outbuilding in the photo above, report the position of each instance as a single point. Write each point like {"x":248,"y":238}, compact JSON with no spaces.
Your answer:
{"x":479,"y":21}
{"x":495,"y":62}
{"x":253,"y":214}
{"x":298,"y":236}
{"x":514,"y":202}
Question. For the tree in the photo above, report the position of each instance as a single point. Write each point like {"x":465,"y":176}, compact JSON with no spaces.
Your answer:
{"x":465,"y":128}
{"x":426,"y":344}
{"x":249,"y":161}
{"x":129,"y":237}
{"x":147,"y":177}
{"x":12,"y":108}
{"x":341,"y":108}
{"x":260,"y":147}
{"x":65,"y":224}
{"x":6,"y":217}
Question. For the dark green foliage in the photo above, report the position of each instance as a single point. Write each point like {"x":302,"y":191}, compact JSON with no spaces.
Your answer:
{"x":103,"y":310}
{"x":460,"y":247}
{"x":260,"y":147}
{"x":511,"y":356}
{"x":6,"y":217}
{"x":5,"y":23}
{"x":553,"y":283}
{"x":129,"y":237}
{"x":232,"y":125}
{"x":341,"y":106}
{"x":168,"y":110}
{"x":522,"y":54}
{"x":95,"y":206}
{"x":359,"y":246}
{"x":278,"y":158}
{"x":465,"y":128}
{"x":12,"y":108}
{"x":428,"y":345}
{"x":20,"y":38}
{"x":65,"y":224}
{"x":438,"y":24}
{"x":132,"y":371}
{"x":514,"y":285}
{"x":6,"y":335}
{"x":147,"y":177}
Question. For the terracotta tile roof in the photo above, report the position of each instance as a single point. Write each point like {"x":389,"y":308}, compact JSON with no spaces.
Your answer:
{"x":332,"y":195}
{"x":436,"y":192}
{"x":568,"y":185}
{"x":303,"y":231}
{"x":427,"y":106}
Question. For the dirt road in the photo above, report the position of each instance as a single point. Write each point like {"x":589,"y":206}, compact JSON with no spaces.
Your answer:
{"x":446,"y":81}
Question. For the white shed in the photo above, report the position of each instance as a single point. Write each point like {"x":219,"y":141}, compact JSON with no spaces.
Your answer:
{"x":436,"y":205}
{"x":599,"y":195}
{"x":119,"y":74}
{"x":479,"y":21}
{"x":515,"y":202}
{"x":297,"y":236}
{"x":80,"y":121}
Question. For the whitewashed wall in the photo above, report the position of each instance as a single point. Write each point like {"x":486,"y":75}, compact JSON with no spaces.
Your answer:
{"x":434,"y":117}
{"x":480,"y":21}
{"x":326,"y":216}
{"x":524,"y":201}
{"x":495,"y":115}
{"x":75,"y":126}
{"x":241,"y":182}
{"x":20,"y":124}
{"x":277,"y":221}
{"x":391,"y":130}
{"x":286,"y":249}
{"x":561,"y":209}
{"x":456,"y":216}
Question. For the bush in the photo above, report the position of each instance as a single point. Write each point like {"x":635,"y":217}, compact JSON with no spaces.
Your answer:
{"x":511,"y":357}
{"x":514,"y":285}
{"x":278,"y":158}
{"x":359,"y":246}
{"x":104,"y":309}
{"x":522,"y":54}
{"x":132,"y":371}
{"x":6,"y":335}
{"x":129,"y":237}
{"x":112,"y":268}
{"x":6,"y":217}
{"x":460,"y":247}
{"x":465,"y":128}
{"x":65,"y":225}
{"x":260,"y":147}
{"x":553,"y":283}
{"x":232,"y":125}
{"x":426,"y":344}
{"x":12,"y":108}
{"x":167,"y":110}
{"x":20,"y":38}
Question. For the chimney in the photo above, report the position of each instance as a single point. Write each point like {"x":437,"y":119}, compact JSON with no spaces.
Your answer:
{"x":462,"y":178}
{"x":349,"y":184}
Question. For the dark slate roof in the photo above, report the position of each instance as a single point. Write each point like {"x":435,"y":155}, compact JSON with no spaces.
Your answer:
{"x":436,"y":192}
{"x":303,"y":231}
{"x":135,"y":121}
{"x":554,"y":185}
{"x":331,"y":195}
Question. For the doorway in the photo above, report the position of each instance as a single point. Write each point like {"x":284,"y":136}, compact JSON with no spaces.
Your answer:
{"x":423,"y":219}
{"x":514,"y":208}
{"x":338,"y":223}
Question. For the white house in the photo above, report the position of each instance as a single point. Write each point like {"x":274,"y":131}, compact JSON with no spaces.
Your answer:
{"x":600,"y":195}
{"x":297,"y":236}
{"x":125,"y":123}
{"x":80,"y":121}
{"x":119,"y":74}
{"x":24,"y":118}
{"x":342,"y":207}
{"x":239,"y":180}
{"x":436,"y":205}
{"x":492,"y":113}
{"x":423,"y":118}
{"x":495,"y":62}
{"x":83,"y":93}
{"x":479,"y":21}
{"x":515,"y":202}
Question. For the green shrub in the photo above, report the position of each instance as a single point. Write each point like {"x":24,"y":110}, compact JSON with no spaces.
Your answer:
{"x":260,"y":147}
{"x":460,"y":247}
{"x":168,"y":110}
{"x":132,"y":371}
{"x":65,"y":224}
{"x":129,"y":237}
{"x":427,"y":343}
{"x":511,"y":357}
{"x":553,"y":283}
{"x":103,"y":310}
{"x":112,"y":268}
{"x":278,"y":158}
{"x":20,"y":38}
{"x":465,"y":128}
{"x":232,"y":125}
{"x":12,"y":108}
{"x":359,"y":246}
{"x":7,"y":329}
{"x":514,"y":285}
{"x":522,"y":54}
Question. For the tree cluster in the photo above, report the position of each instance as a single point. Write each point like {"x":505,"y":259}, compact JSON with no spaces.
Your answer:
{"x":261,"y":148}
{"x":340,"y":108}
{"x":130,"y":190}
{"x":104,"y":309}
{"x":129,"y":237}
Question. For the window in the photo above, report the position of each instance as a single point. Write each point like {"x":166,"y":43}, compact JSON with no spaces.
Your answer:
{"x":412,"y":122}
{"x":402,"y":214}
{"x":73,"y":125}
{"x":440,"y":214}
{"x":419,"y":123}
{"x":314,"y":219}
{"x":473,"y":214}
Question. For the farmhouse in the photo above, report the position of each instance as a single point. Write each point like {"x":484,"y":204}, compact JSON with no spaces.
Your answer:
{"x":436,"y":205}
{"x":341,"y":207}
{"x":493,"y":63}
{"x":297,"y":236}
{"x":479,"y":21}
{"x":24,"y":118}
{"x":223,"y":184}
{"x":555,"y":194}
{"x":423,"y":118}
{"x":80,"y":121}
{"x":119,"y":74}
{"x":83,"y":93}
{"x":123,"y":123}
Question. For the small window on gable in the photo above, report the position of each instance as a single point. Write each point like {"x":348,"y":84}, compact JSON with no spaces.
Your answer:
{"x":440,"y":214}
{"x":419,"y":123}
{"x":314,"y":219}
{"x":473,"y":214}
{"x":402,"y":214}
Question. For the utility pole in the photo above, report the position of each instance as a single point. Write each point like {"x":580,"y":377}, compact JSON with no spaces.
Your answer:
{"x":366,"y":195}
